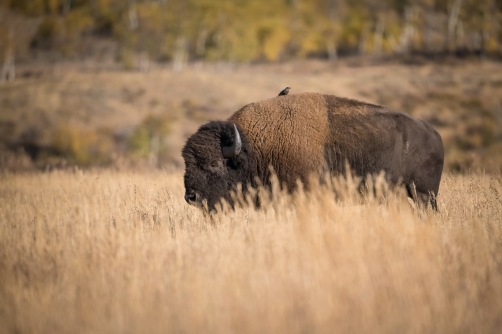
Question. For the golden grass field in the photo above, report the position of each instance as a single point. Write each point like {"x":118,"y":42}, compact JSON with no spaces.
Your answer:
{"x":121,"y":252}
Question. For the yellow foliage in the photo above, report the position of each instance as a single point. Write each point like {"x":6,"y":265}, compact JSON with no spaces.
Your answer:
{"x":274,"y":42}
{"x":77,"y":21}
{"x":270,"y":29}
{"x":52,"y":6}
{"x":82,"y":147}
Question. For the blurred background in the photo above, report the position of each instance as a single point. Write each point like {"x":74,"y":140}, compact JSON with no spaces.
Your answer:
{"x":123,"y":83}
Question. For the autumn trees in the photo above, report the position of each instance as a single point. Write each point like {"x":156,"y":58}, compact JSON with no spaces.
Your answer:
{"x":179,"y":31}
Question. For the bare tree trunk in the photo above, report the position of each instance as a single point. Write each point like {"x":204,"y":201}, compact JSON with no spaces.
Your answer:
{"x":364,"y":39}
{"x":485,"y":33}
{"x":452,"y":24}
{"x":200,"y":47}
{"x":331,"y":43}
{"x":66,"y":7}
{"x":331,"y":49}
{"x":408,"y":30}
{"x":180,"y":54}
{"x":378,"y":38}
{"x":460,"y":34}
{"x":9,"y":69}
{"x":133,"y":15}
{"x":476,"y":40}
{"x":427,"y":44}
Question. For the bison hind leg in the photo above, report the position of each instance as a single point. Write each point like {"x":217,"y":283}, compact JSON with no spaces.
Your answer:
{"x":433,"y":201}
{"x":420,"y":198}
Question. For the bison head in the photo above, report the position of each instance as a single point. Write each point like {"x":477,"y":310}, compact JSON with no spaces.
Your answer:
{"x":217,"y":157}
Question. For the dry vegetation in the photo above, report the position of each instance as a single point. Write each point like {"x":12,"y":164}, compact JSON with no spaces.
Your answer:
{"x":116,"y":252}
{"x":118,"y":85}
{"x":94,"y":117}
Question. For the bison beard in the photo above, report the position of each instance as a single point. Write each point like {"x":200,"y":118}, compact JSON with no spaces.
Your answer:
{"x":303,"y":134}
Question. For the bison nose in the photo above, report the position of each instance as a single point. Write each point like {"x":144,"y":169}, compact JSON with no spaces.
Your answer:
{"x":190,"y":196}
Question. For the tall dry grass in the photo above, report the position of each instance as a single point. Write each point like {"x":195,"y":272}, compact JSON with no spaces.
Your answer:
{"x":115,"y":252}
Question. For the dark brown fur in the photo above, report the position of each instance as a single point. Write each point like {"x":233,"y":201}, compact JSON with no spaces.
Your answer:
{"x":303,"y":134}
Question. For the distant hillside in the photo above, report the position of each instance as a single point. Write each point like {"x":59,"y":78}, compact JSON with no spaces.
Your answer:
{"x":77,"y":116}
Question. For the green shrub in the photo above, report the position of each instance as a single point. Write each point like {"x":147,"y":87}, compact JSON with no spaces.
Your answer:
{"x":139,"y":142}
{"x":82,"y":147}
{"x":147,"y":137}
{"x":126,"y":58}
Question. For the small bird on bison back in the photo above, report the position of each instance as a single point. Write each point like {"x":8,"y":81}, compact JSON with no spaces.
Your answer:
{"x":285,"y":91}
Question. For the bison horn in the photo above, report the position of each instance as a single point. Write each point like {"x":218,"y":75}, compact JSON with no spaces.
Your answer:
{"x":232,"y":151}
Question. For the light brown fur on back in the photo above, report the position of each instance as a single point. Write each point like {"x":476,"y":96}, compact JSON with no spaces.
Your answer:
{"x":296,"y":128}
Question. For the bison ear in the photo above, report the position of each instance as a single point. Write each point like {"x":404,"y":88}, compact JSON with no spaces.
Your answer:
{"x":235,"y":149}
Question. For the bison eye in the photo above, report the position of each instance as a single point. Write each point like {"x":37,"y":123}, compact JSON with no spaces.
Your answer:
{"x":214,"y":165}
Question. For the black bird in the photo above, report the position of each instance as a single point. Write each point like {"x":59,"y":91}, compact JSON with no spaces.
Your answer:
{"x":285,"y":91}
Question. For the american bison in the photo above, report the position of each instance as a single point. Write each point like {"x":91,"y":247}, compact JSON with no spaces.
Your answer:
{"x":303,"y":134}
